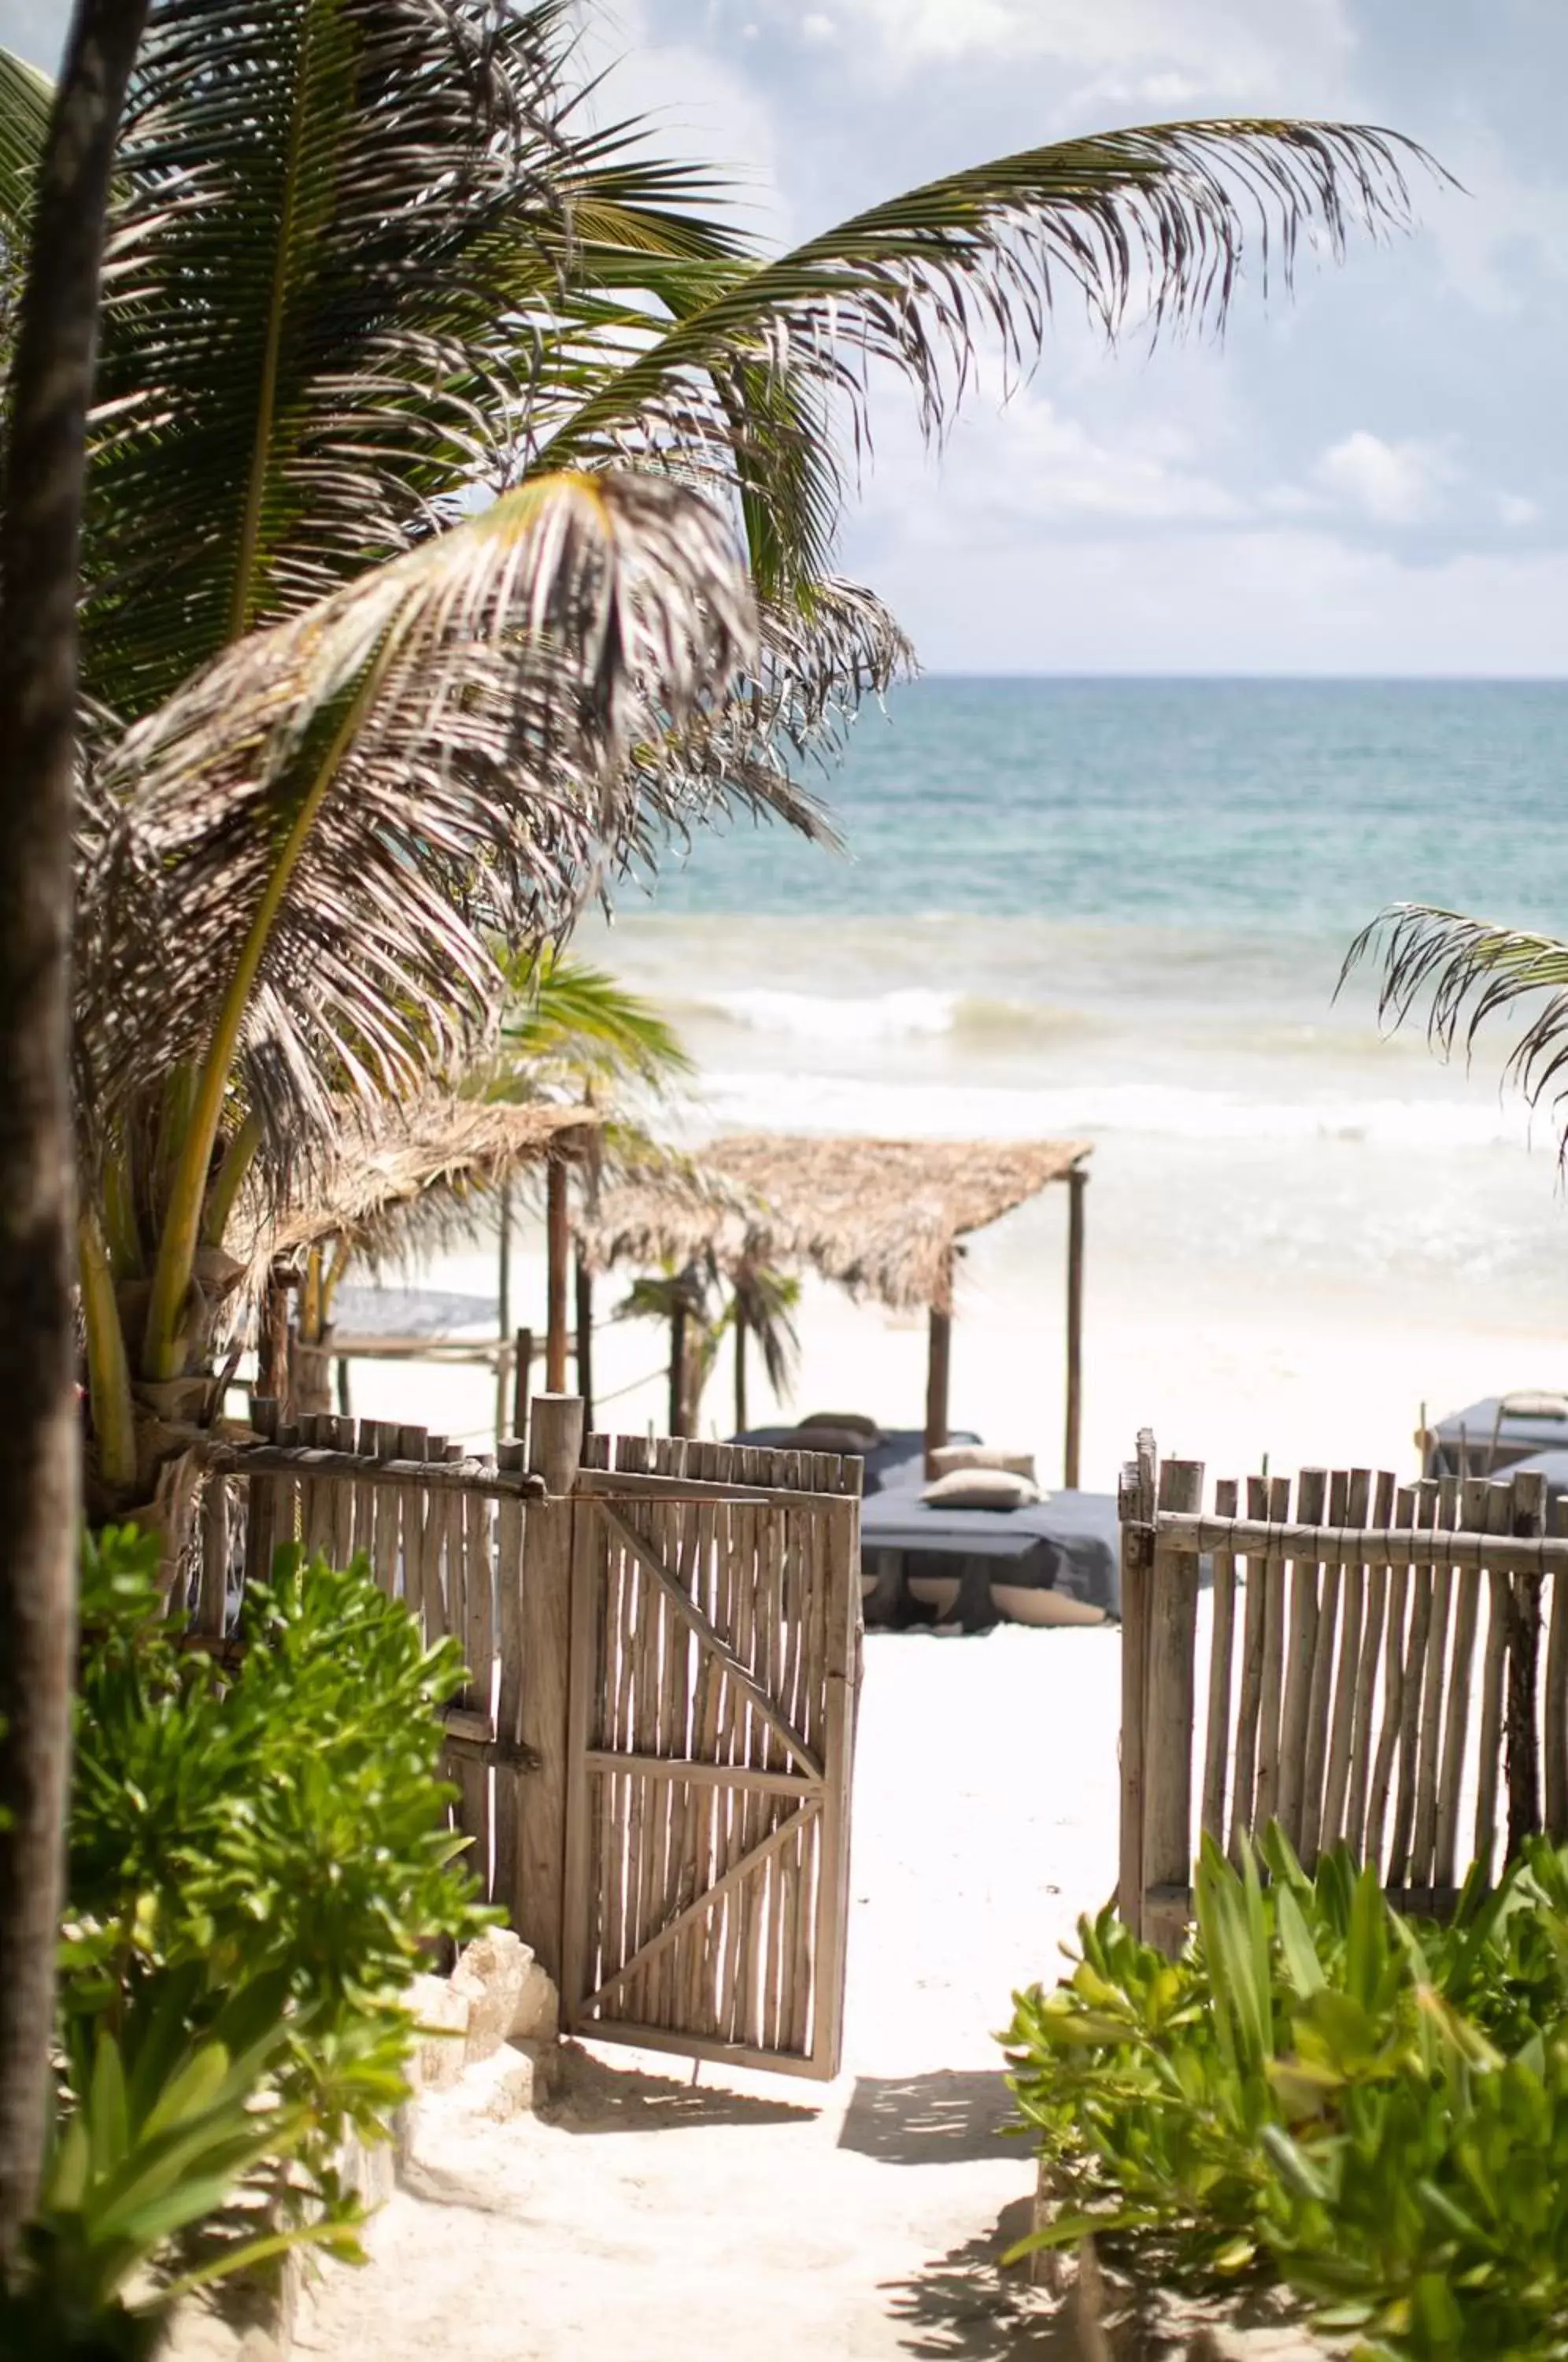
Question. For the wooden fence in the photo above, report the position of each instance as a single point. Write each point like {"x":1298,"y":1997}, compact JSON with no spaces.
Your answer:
{"x":655,"y":1746}
{"x":1372,"y":1674}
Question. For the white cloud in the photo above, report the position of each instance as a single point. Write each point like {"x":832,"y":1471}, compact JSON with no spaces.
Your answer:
{"x":1224,"y":46}
{"x":1391,"y":483}
{"x":1516,"y":511}
{"x":818,"y":28}
{"x":1283,"y":600}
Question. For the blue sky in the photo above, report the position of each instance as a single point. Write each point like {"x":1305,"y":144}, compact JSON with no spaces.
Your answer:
{"x":1368,"y":479}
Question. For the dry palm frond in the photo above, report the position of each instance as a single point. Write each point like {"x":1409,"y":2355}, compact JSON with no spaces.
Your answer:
{"x":1474,"y":972}
{"x":355,"y":803}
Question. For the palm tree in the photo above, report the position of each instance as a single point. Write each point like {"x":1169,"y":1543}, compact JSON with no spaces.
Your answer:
{"x":51,"y":313}
{"x":348,"y":725}
{"x":1470,"y":972}
{"x":701,"y":1304}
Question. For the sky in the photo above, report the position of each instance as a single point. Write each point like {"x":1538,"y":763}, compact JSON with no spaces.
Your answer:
{"x":1367,"y":477}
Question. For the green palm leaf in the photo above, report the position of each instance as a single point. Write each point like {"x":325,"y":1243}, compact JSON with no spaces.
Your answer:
{"x":1470,"y":972}
{"x":1175,"y":211}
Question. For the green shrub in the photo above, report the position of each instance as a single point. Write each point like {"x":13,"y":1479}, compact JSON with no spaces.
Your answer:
{"x":1321,"y":2092}
{"x":257,"y":1861}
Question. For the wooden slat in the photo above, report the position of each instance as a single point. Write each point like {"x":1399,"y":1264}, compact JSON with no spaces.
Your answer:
{"x":1266,"y":1807}
{"x":1251,"y":1700}
{"x":1320,"y":1709}
{"x":1354,"y":1827}
{"x":1353,"y":1604}
{"x":723,"y":1886}
{"x":1492,"y":1667}
{"x":712,"y":1639}
{"x":1216,"y":1754}
{"x":1394,"y":1657}
{"x":1555,"y":1767}
{"x":1473,"y":1510}
{"x":1528,"y":1516}
{"x":1301,"y":1653}
{"x":1429,"y":1756}
{"x":1410,"y":1690}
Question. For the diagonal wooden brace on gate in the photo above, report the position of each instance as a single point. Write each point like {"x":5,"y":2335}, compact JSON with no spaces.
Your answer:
{"x":712,"y":1639}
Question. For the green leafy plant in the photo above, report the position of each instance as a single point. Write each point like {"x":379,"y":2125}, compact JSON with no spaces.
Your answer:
{"x":258,"y":1857}
{"x":1319,"y":2091}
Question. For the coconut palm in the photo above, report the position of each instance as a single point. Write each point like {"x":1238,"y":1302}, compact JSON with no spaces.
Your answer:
{"x":428,"y":418}
{"x":50,"y":309}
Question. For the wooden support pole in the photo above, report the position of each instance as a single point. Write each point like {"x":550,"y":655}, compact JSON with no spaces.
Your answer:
{"x":1136,"y":1507}
{"x":555,"y":1447}
{"x":939,"y":1354}
{"x":584,"y":1309}
{"x":677,"y":1370}
{"x":558,"y":1255}
{"x":1168,"y":1722}
{"x":1078,"y":1182}
{"x":739,"y":1326}
{"x":503,"y":1307}
{"x":522,"y":1379}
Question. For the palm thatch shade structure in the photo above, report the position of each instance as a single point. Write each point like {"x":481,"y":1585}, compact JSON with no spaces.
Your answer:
{"x":414,"y":1176}
{"x":880,"y":1217}
{"x":413,"y":1181}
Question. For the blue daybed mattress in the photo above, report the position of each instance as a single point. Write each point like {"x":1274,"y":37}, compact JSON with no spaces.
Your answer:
{"x":1069,"y":1543}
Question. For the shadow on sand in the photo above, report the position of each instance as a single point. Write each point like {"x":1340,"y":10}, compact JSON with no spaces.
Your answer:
{"x":946,"y":2118}
{"x":965,"y":2308}
{"x":589,"y":2096}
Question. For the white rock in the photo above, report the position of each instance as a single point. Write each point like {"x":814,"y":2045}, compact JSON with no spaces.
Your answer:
{"x":491,"y":1974}
{"x":441,"y":2008}
{"x":537,"y":2016}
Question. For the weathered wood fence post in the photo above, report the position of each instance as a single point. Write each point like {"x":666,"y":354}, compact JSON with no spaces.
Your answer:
{"x":1168,"y":1720}
{"x":554,"y":1452}
{"x":1136,"y":1507}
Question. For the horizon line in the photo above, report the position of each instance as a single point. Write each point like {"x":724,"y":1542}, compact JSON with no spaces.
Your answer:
{"x":1294,"y":679}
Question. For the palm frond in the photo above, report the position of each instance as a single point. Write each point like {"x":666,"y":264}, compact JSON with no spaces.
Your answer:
{"x":822,"y":652}
{"x":25,"y":96}
{"x":579,"y":1023}
{"x":340,"y":229}
{"x":1470,"y":972}
{"x":1175,"y":211}
{"x":361,"y":800}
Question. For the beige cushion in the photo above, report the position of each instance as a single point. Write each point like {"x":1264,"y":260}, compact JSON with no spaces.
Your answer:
{"x":949,"y":1456}
{"x":851,"y":1422}
{"x":981,"y":1488}
{"x":848,"y":1441}
{"x":1536,"y":1406}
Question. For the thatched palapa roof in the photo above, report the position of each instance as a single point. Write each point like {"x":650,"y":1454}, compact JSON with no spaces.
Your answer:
{"x":880,"y":1217}
{"x":424,"y":1167}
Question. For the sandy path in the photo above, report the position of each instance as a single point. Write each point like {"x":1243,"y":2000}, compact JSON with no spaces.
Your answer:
{"x":754,"y":2218}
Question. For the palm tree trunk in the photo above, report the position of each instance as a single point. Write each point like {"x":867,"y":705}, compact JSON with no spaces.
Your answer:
{"x":40,"y":1465}
{"x":739,"y":1325}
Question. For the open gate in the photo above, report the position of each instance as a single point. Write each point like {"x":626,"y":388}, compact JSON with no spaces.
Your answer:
{"x":715,"y":1659}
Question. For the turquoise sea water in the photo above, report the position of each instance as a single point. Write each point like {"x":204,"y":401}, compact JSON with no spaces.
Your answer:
{"x":1117,"y":910}
{"x":1198,"y":805}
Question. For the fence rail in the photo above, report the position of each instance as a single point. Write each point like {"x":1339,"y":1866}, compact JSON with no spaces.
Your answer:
{"x":1370,"y":1673}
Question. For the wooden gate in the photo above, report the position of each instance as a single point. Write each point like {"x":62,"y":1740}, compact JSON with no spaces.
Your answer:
{"x":654,"y":1750}
{"x":715,"y":1642}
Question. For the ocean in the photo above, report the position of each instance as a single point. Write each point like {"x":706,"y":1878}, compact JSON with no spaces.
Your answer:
{"x":1117,"y":910}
